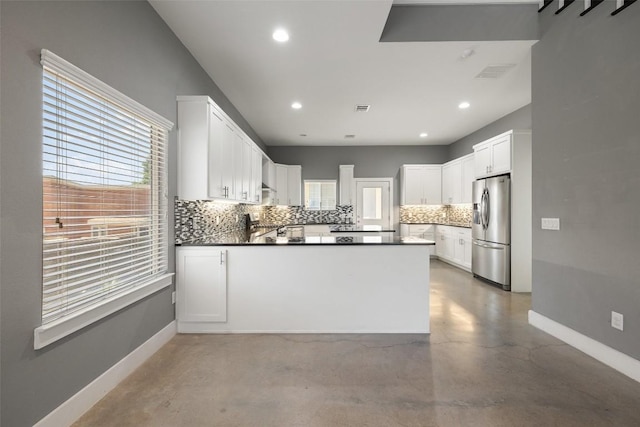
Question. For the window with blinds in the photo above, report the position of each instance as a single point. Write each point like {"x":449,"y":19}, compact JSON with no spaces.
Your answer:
{"x":320,"y":195}
{"x":104,"y":192}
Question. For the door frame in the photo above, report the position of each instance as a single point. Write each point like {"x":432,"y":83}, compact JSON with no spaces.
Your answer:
{"x":390,"y":182}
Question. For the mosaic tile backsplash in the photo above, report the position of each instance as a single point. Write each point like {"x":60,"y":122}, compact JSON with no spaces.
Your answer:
{"x":283,"y":215}
{"x":195,"y":219}
{"x":460,"y":215}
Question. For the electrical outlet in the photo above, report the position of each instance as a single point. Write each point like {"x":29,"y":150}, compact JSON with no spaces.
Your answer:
{"x":617,"y":320}
{"x":218,"y":220}
{"x":173,"y":297}
{"x":237,"y":218}
{"x":550,"y":224}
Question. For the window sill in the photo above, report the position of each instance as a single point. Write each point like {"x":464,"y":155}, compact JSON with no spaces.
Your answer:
{"x":52,"y":332}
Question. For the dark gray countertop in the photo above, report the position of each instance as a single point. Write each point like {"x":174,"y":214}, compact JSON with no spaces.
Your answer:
{"x":354,"y":229}
{"x":242,"y":239}
{"x":438,"y":223}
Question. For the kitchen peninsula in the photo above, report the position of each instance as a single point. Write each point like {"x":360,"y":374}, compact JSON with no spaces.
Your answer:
{"x":314,"y":284}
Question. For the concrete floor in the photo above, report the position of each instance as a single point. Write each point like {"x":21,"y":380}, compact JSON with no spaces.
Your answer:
{"x":482,"y":365}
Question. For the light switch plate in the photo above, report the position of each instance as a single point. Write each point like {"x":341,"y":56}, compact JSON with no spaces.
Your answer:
{"x":617,"y":320}
{"x":550,"y":224}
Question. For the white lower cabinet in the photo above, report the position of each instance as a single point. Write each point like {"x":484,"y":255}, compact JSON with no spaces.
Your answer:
{"x":453,"y":245}
{"x":444,"y":243}
{"x":201,"y":287}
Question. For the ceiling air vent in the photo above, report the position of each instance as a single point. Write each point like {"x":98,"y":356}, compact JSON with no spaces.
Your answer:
{"x":349,"y":136}
{"x":362,"y":108}
{"x":494,"y":71}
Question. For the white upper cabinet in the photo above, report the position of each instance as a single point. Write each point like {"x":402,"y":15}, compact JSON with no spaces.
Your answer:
{"x":288,"y":188}
{"x":256,"y":175}
{"x":452,"y":182}
{"x":220,"y":175}
{"x":282,"y":185}
{"x":347,"y":185}
{"x":246,"y":194}
{"x":457,"y":179}
{"x":421,"y":185}
{"x":468,"y":176}
{"x":294,"y":185}
{"x":268,"y":172}
{"x":493,"y":157}
{"x":215,"y":158}
{"x":238,"y":160}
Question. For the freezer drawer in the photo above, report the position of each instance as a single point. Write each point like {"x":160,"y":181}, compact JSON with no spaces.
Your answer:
{"x":492,"y":261}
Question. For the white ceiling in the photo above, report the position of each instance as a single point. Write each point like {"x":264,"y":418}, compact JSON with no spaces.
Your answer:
{"x":333,"y":61}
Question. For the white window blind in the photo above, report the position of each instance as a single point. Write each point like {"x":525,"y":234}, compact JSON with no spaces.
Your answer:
{"x":320,"y":195}
{"x":104,"y":192}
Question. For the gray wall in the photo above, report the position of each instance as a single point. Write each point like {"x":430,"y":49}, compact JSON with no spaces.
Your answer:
{"x":461,"y":22}
{"x":519,"y":119}
{"x":369,"y":161}
{"x":126,"y":45}
{"x":586,"y":171}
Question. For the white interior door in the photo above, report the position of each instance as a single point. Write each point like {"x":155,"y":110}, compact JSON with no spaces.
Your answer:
{"x":373,"y":204}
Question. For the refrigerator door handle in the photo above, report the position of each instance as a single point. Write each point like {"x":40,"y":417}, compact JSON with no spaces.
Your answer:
{"x":500,"y":248}
{"x":487,"y":203}
{"x":484,"y":209}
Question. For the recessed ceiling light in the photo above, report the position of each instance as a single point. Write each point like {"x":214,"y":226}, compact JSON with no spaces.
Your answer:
{"x":280,"y":35}
{"x":464,"y":105}
{"x":423,"y":135}
{"x":296,"y":106}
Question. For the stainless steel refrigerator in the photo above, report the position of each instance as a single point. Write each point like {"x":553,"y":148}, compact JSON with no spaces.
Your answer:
{"x":491,"y":230}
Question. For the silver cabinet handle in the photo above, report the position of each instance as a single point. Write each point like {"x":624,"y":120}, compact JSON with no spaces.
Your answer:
{"x":221,"y":257}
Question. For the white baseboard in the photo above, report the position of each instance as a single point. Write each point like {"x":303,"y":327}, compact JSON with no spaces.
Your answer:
{"x":67,"y":413}
{"x":603,"y":353}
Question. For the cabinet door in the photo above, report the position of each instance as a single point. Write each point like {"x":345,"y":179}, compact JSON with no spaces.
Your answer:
{"x":482,"y":160}
{"x":445,"y":242}
{"x":256,"y":175}
{"x":238,"y":160}
{"x":413,"y":178}
{"x":466,"y":261}
{"x":294,"y":185}
{"x":282,"y":183}
{"x":468,"y":177}
{"x":440,"y":243}
{"x":433,"y":185}
{"x":458,"y":248}
{"x":501,"y":155}
{"x":346,"y":185}
{"x":201,"y":285}
{"x":451,"y":183}
{"x":193,"y":150}
{"x":216,"y":153}
{"x":246,"y":195}
{"x":228,"y":162}
{"x":447,"y":177}
{"x":268,"y":172}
